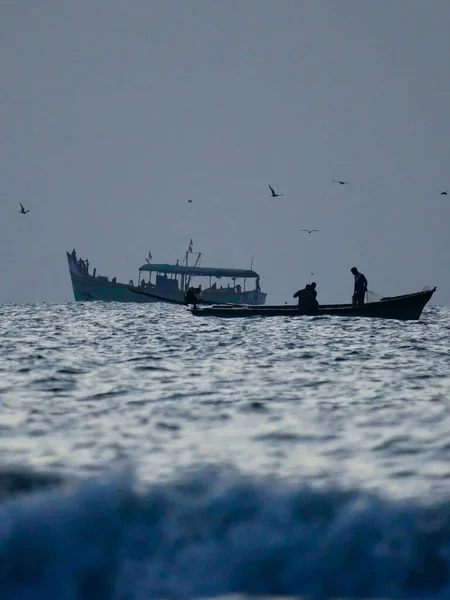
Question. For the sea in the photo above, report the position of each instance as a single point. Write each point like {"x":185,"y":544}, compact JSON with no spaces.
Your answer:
{"x":146,"y":453}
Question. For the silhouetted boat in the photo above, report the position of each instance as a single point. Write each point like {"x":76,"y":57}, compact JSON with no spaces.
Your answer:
{"x":406,"y":308}
{"x":170,"y":284}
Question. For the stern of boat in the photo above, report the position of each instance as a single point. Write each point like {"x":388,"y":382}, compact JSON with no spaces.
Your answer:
{"x":253,"y":298}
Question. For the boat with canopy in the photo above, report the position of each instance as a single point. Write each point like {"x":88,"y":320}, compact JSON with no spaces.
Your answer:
{"x":168,"y":283}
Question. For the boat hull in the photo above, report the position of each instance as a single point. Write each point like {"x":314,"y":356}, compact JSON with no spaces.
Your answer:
{"x":87,"y":288}
{"x":404,"y":308}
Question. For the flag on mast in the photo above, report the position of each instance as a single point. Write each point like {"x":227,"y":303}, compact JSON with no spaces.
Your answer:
{"x":149,"y":257}
{"x":191,"y":246}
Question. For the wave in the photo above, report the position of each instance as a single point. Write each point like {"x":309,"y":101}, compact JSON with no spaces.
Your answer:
{"x":214,"y":532}
{"x":18,"y":481}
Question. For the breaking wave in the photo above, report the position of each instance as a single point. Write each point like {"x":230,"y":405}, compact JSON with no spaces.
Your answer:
{"x":211,"y":533}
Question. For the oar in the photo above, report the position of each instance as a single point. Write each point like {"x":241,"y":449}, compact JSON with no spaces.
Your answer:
{"x":155,"y":297}
{"x":170,"y":301}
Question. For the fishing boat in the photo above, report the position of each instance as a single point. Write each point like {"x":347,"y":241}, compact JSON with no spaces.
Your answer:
{"x":405,"y":308}
{"x":167,"y":283}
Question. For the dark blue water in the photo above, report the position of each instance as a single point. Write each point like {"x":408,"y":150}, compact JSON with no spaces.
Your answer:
{"x":149,"y":454}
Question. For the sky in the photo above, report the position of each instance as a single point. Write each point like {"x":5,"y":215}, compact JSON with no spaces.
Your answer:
{"x":113,"y":114}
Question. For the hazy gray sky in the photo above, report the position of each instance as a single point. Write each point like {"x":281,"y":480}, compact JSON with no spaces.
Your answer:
{"x":114,"y":113}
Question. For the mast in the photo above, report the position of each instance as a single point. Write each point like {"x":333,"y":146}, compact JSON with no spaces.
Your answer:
{"x":199,"y":254}
{"x":183,"y":276}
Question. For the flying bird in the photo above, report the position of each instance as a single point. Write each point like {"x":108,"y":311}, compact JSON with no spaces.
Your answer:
{"x":274,"y":194}
{"x":22,"y":210}
{"x":310,"y":230}
{"x":444,"y":193}
{"x":189,"y":200}
{"x":341,"y":182}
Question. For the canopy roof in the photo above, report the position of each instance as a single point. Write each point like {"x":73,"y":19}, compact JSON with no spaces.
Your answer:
{"x":199,"y":271}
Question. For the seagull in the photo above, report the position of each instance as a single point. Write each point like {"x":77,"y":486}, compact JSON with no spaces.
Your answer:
{"x":341,"y":182}
{"x":310,"y":230}
{"x":274,"y":195}
{"x":444,"y":193}
{"x":22,"y":210}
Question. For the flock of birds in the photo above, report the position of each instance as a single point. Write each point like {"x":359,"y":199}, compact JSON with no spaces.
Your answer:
{"x":273,"y":194}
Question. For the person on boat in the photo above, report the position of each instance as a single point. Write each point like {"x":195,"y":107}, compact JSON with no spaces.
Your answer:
{"x":360,"y":288}
{"x":299,"y":294}
{"x":191,"y":296}
{"x":313,"y":293}
{"x":307,"y":297}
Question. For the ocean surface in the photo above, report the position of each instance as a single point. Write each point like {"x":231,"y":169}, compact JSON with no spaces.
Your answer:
{"x":146,"y":453}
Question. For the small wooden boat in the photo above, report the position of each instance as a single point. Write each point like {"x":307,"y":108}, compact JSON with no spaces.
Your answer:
{"x":406,"y":308}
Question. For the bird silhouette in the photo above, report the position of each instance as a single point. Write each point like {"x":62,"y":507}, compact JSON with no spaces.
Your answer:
{"x":22,"y":210}
{"x":310,"y":230}
{"x":444,"y":193}
{"x":189,"y":200}
{"x":274,"y":194}
{"x":341,"y":182}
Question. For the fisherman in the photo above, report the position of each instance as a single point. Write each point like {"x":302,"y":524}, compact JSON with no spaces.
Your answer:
{"x":307,"y":297}
{"x":360,"y":288}
{"x":191,"y":297}
{"x":300,"y":295}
